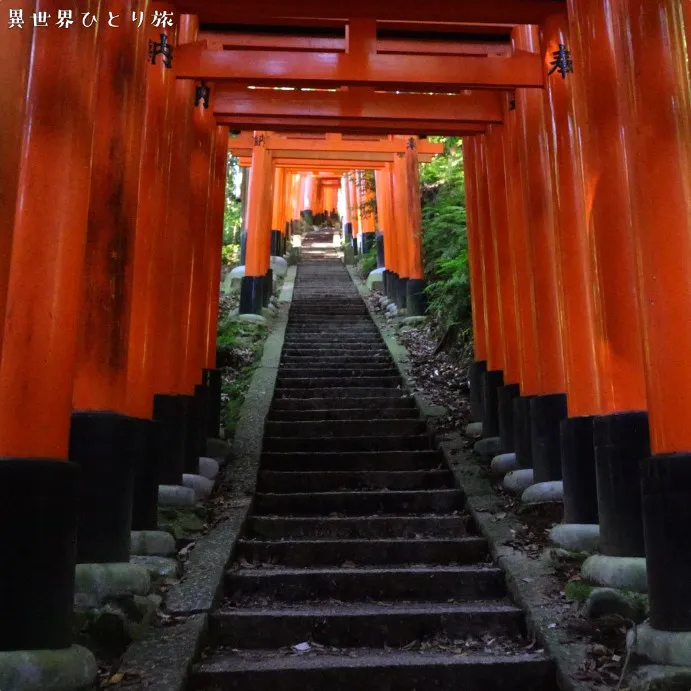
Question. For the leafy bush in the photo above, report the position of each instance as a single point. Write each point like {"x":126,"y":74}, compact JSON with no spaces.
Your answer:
{"x":230,"y":255}
{"x":444,"y":239}
{"x":367,"y":262}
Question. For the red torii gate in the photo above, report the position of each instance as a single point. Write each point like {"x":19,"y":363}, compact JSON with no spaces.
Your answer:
{"x":591,"y":340}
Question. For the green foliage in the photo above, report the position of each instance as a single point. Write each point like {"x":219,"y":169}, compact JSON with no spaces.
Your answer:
{"x":230,"y":254}
{"x":367,"y":262}
{"x":238,"y":348}
{"x":366,"y":186}
{"x":232,"y":216}
{"x":444,"y":238}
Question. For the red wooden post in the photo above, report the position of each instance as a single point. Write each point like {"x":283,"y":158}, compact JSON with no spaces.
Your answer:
{"x":39,"y":488}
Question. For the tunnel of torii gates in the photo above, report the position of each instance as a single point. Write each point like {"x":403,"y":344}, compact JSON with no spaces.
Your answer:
{"x":576,"y":128}
{"x":278,"y":194}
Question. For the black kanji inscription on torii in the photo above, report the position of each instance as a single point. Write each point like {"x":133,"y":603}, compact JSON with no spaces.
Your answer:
{"x":561,"y":62}
{"x":164,"y":49}
{"x":202,"y":93}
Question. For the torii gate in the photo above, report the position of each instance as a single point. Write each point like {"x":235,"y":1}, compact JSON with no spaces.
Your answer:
{"x":579,"y":236}
{"x":312,"y":150}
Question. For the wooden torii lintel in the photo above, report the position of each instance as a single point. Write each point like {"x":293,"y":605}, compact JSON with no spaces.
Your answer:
{"x":353,"y":125}
{"x":478,"y":106}
{"x":330,"y":70}
{"x":297,"y":146}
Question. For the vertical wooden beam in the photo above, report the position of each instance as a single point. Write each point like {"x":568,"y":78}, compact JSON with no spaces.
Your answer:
{"x":15,"y":57}
{"x":253,"y":282}
{"x":576,"y":285}
{"x":101,"y":376}
{"x":401,"y":208}
{"x":494,"y":377}
{"x":549,"y":408}
{"x":479,"y":364}
{"x":621,"y":431}
{"x":40,"y":489}
{"x":656,"y":98}
{"x":505,"y":284}
{"x":104,"y":441}
{"x":416,"y":299}
{"x":148,"y":371}
{"x":608,"y":213}
{"x":522,"y":268}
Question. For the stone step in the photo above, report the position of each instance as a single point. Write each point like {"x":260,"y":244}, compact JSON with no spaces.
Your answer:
{"x":324,"y":341}
{"x":336,"y":428}
{"x":431,"y":459}
{"x":437,"y":501}
{"x":308,"y":362}
{"x":432,"y":583}
{"x":330,"y":330}
{"x":313,"y":352}
{"x":339,"y":392}
{"x":289,"y":372}
{"x":465,"y":550}
{"x":420,"y":442}
{"x":377,"y":670}
{"x":363,"y":624}
{"x":306,"y":402}
{"x":372,"y":527}
{"x":352,"y":414}
{"x":329,"y":481}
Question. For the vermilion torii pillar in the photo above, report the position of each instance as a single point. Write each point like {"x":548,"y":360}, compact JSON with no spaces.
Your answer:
{"x":400,"y":197}
{"x":354,"y":209}
{"x":278,"y":212}
{"x":416,"y":299}
{"x":347,"y":211}
{"x":196,"y":310}
{"x":494,"y":376}
{"x":104,"y":440}
{"x":383,"y":196}
{"x":15,"y":55}
{"x":656,"y":109}
{"x":214,"y":245}
{"x":479,"y":364}
{"x":548,"y":408}
{"x":580,"y":313}
{"x":38,"y":486}
{"x":254,"y":282}
{"x":500,"y":256}
{"x":162,"y":263}
{"x":524,"y":293}
{"x":621,"y":430}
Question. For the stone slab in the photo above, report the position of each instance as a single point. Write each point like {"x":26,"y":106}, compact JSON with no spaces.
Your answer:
{"x":624,"y":573}
{"x":544,"y":492}
{"x":375,"y":279}
{"x":661,"y":647}
{"x":200,"y":485}
{"x":208,"y":467}
{"x":176,"y":495}
{"x":47,"y":670}
{"x":473,"y":429}
{"x":252,"y":319}
{"x":503,"y":463}
{"x":159,"y":567}
{"x":97,"y":583}
{"x":154,"y":543}
{"x":488,"y":447}
{"x":517,"y":481}
{"x":576,"y":537}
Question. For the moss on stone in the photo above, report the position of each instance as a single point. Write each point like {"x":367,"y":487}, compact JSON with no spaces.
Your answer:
{"x":183,"y":522}
{"x":578,"y":591}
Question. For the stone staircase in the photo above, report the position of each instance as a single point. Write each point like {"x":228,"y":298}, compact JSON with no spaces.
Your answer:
{"x":358,"y":568}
